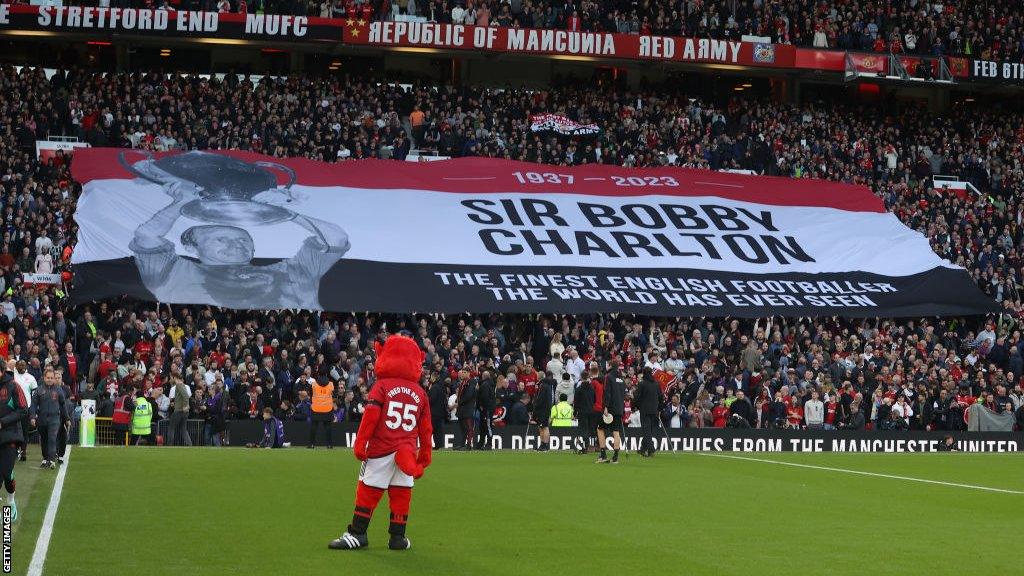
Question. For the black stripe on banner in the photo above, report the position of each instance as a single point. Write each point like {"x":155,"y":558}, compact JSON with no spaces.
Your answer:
{"x":387,"y":287}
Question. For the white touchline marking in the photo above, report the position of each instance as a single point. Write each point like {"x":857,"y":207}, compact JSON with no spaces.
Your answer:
{"x":471,"y":178}
{"x":35,"y":568}
{"x":863,"y":473}
{"x":720,"y":184}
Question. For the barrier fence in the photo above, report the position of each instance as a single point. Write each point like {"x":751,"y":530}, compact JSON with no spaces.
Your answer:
{"x":685,"y":440}
{"x":241,"y":432}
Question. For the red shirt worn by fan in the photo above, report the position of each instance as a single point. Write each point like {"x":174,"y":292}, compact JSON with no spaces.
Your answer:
{"x":403,"y":406}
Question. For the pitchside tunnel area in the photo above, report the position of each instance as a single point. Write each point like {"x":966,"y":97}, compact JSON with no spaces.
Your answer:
{"x":221,"y":512}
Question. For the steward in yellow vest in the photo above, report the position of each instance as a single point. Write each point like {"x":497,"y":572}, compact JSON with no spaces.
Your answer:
{"x":561,"y":413}
{"x":142,"y":419}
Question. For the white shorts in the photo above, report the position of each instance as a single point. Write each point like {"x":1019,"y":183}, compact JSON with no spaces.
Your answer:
{"x":383,"y":472}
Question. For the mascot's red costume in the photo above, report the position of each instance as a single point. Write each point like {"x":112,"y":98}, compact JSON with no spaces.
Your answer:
{"x":396,"y":417}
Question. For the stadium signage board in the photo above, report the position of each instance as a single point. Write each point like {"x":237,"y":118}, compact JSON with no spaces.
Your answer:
{"x":695,"y":439}
{"x":991,"y":71}
{"x":240,"y":230}
{"x":180,"y":23}
{"x":566,"y":43}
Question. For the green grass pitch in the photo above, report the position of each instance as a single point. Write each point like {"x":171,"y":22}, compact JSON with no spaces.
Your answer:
{"x":253,"y":512}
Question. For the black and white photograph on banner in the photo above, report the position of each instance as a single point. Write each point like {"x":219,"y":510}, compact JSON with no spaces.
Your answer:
{"x":227,"y":203}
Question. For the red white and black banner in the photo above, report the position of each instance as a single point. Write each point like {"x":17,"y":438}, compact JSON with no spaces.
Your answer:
{"x":241,"y":230}
{"x":604,"y":45}
{"x":562,"y":125}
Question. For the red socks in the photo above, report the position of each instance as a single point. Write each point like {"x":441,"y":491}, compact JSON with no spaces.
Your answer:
{"x":367,"y":498}
{"x":399,"y":498}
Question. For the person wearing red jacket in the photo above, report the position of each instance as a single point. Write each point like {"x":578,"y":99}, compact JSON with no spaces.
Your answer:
{"x":794,"y":414}
{"x":720,"y":414}
{"x":397,"y":415}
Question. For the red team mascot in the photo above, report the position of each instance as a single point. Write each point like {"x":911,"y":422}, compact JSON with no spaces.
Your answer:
{"x":397,"y":415}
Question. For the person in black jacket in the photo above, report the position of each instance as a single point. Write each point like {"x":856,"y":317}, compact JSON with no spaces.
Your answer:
{"x":437,"y":395}
{"x":856,"y":420}
{"x":583,"y":405}
{"x":13,"y":408}
{"x":465,"y":406}
{"x":647,"y":400}
{"x":519,"y":415}
{"x":485,"y":402}
{"x":777,"y":412}
{"x":741,"y":407}
{"x":542,"y":404}
{"x":49,"y":411}
{"x":614,"y":406}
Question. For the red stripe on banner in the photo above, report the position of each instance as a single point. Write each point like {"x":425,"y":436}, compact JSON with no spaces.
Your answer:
{"x":604,"y":45}
{"x":488,"y":175}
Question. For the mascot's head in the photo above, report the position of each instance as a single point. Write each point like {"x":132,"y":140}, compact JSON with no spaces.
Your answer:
{"x":399,"y":357}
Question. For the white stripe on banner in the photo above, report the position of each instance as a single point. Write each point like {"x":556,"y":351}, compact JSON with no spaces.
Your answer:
{"x":571,"y":230}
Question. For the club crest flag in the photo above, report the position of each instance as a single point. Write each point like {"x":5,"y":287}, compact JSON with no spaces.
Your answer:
{"x":561,"y":125}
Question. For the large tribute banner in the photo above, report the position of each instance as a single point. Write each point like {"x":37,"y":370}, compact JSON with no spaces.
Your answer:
{"x":241,"y":230}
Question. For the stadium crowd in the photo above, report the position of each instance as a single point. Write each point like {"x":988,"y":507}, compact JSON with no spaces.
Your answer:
{"x":877,"y":373}
{"x":990,"y":30}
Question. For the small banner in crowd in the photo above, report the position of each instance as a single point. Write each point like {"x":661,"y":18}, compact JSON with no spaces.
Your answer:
{"x":36,"y":279}
{"x":240,"y":230}
{"x":47,"y":149}
{"x":982,"y":419}
{"x":561,"y":125}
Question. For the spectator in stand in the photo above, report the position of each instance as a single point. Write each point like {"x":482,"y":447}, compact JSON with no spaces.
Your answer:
{"x":903,"y":409}
{"x":794,"y":414}
{"x":856,"y":420}
{"x":720,"y":414}
{"x":814,"y":412}
{"x":742,"y":407}
{"x":675,"y":415}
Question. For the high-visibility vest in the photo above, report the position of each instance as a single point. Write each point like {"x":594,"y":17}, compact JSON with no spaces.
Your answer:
{"x":121,"y":415}
{"x":142,"y":419}
{"x":322,"y":401}
{"x":561,"y":414}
